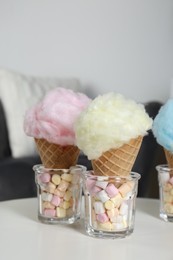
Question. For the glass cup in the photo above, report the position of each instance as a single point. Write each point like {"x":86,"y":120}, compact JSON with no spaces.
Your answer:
{"x":59,"y":194}
{"x":110,"y":204}
{"x":165,"y":179}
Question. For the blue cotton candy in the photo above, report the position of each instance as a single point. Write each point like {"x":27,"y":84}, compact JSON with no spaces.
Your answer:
{"x":163,"y":126}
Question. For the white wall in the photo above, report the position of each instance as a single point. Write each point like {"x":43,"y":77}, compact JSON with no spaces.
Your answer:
{"x":124,"y":46}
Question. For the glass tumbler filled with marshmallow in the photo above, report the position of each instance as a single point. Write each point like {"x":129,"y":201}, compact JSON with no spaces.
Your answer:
{"x":165,"y":179}
{"x":110,"y":204}
{"x":59,"y":194}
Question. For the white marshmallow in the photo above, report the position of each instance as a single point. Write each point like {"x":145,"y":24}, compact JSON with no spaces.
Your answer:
{"x":103,"y":196}
{"x":46,"y":196}
{"x":98,"y":207}
{"x":101,"y":184}
{"x":117,"y":226}
{"x":124,"y":209}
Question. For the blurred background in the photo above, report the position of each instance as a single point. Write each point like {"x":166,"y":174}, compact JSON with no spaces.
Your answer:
{"x":110,"y":45}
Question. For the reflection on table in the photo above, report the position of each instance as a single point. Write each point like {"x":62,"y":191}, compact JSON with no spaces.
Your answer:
{"x":22,"y":236}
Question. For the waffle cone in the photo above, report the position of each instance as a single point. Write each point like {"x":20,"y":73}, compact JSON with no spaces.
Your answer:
{"x":118,"y":162}
{"x":169,"y":158}
{"x":55,"y":156}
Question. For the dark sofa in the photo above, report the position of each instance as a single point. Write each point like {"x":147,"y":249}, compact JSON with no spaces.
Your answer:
{"x":17,"y":177}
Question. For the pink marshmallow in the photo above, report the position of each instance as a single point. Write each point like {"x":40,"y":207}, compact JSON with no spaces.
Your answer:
{"x":102,"y":218}
{"x":111,"y":190}
{"x":53,"y":118}
{"x":44,"y":177}
{"x":56,"y":200}
{"x":90,"y":184}
{"x":95,"y":189}
{"x":50,"y":212}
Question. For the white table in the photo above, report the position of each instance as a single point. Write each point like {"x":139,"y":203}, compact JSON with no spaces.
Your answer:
{"x":23,"y":237}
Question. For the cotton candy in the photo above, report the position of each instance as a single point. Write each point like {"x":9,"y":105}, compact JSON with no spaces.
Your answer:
{"x":163,"y":126}
{"x":53,"y":118}
{"x":108,"y":122}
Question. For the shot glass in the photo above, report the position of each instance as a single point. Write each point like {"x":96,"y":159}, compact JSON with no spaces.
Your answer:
{"x":110,"y":204}
{"x":59,"y":193}
{"x":165,"y":179}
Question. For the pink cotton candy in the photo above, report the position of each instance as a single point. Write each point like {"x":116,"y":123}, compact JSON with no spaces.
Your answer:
{"x":53,"y":118}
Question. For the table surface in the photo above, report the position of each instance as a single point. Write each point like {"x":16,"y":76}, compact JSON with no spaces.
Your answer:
{"x":23,"y":237}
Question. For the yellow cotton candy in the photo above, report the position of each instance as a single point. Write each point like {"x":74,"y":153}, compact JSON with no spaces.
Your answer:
{"x":109,"y":122}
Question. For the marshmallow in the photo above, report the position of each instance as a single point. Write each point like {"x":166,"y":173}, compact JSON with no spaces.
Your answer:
{"x":112,"y":213}
{"x":98,"y":207}
{"x":60,"y":212}
{"x":117,"y":219}
{"x":44,"y":177}
{"x":117,"y":200}
{"x":67,"y":195}
{"x":56,"y":200}
{"x":56,"y":179}
{"x":49,"y":212}
{"x":107,"y":226}
{"x":65,"y":205}
{"x":117,"y":226}
{"x":102,"y":178}
{"x":48,"y":205}
{"x":50,"y":187}
{"x":103,"y":196}
{"x":94,"y":190}
{"x":59,"y":193}
{"x":109,"y":205}
{"x":125,"y":188}
{"x":90,"y":184}
{"x":102,"y":218}
{"x":66,"y":177}
{"x":63,"y":185}
{"x":101,"y":184}
{"x":46,"y":196}
{"x":123,"y":209}
{"x":111,"y":190}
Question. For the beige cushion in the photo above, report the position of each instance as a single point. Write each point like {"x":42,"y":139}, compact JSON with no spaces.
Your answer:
{"x":19,"y":92}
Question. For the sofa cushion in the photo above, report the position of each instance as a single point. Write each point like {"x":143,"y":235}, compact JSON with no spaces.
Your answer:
{"x":17,"y":178}
{"x":18,"y":93}
{"x":4,"y":147}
